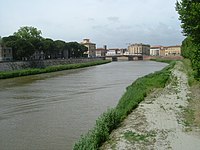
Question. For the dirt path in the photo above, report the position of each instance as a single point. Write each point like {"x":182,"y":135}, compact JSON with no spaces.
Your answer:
{"x":157,"y":123}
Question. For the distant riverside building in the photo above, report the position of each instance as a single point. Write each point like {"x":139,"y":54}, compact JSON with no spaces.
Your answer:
{"x":91,"y":47}
{"x":5,"y":53}
{"x":155,"y":50}
{"x":139,"y":49}
{"x":111,"y":52}
{"x":171,"y":51}
{"x":100,"y":52}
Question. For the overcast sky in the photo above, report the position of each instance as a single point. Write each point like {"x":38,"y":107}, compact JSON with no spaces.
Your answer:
{"x":114,"y":23}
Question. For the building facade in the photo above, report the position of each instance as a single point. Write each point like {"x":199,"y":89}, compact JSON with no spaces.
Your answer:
{"x":91,"y":48}
{"x":5,"y":53}
{"x":171,"y":51}
{"x":139,"y":49}
{"x":155,"y":50}
{"x":100,"y":52}
{"x":111,"y":52}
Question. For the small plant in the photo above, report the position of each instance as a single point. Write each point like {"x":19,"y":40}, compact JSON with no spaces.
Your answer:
{"x":132,"y":136}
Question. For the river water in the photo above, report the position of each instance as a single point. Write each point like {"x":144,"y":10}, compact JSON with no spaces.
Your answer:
{"x":50,"y":111}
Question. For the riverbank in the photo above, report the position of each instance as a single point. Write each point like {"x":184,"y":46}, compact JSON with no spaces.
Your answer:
{"x":111,"y":119}
{"x":168,"y":118}
{"x":20,"y":65}
{"x":33,"y":71}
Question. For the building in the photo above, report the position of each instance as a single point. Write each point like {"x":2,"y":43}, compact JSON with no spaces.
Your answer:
{"x":5,"y":53}
{"x":100,"y":52}
{"x":173,"y":50}
{"x":139,"y":49}
{"x":111,"y":52}
{"x":155,"y":50}
{"x":91,"y":47}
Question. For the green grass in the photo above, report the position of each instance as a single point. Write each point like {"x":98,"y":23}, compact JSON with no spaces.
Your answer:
{"x":111,"y":119}
{"x":162,"y":60}
{"x":189,"y":71}
{"x":132,"y":136}
{"x":192,"y":111}
{"x":33,"y":71}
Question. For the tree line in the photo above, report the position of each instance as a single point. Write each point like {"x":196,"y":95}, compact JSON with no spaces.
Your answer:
{"x":28,"y":40}
{"x":189,"y":14}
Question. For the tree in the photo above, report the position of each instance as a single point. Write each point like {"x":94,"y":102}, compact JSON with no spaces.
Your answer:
{"x":0,"y":40}
{"x":28,"y":33}
{"x":25,"y":49}
{"x":28,"y":41}
{"x":187,"y":49}
{"x":76,"y":50}
{"x":11,"y":41}
{"x":59,"y":48}
{"x":189,"y":14}
{"x":48,"y":47}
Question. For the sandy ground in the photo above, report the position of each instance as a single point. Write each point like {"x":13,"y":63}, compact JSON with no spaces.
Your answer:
{"x":158,"y":122}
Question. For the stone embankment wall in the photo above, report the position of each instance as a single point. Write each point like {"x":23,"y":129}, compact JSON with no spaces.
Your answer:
{"x":18,"y":65}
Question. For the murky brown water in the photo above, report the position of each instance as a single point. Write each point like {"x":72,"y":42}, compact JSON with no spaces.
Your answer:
{"x":51,"y":111}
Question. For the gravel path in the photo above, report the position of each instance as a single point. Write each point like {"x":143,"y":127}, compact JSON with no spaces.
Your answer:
{"x":157,"y":123}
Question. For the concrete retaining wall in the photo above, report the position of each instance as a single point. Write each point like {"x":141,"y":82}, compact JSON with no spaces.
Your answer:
{"x":10,"y":66}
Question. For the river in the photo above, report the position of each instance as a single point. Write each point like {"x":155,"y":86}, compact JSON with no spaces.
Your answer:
{"x":50,"y":111}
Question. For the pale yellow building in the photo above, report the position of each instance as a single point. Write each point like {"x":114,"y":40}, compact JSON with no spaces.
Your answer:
{"x":171,"y":51}
{"x":139,"y":49}
{"x":91,"y":47}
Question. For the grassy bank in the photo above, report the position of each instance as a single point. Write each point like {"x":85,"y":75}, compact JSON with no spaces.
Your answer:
{"x":33,"y":71}
{"x":162,"y":60}
{"x":192,"y":111}
{"x":111,"y":119}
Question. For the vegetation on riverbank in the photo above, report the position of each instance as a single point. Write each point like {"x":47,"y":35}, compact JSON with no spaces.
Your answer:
{"x":192,"y":111}
{"x":111,"y":119}
{"x":33,"y":71}
{"x":188,"y":11}
{"x":162,"y":60}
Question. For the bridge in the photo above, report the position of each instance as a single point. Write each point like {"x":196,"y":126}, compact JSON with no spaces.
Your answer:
{"x":124,"y":57}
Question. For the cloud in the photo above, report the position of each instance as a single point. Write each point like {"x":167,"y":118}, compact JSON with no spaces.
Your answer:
{"x":113,"y":19}
{"x":111,"y":22}
{"x":91,"y":19}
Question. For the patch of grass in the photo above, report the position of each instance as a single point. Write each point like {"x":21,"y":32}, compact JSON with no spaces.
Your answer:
{"x":162,"y":60}
{"x":174,"y":82}
{"x":192,"y":111}
{"x":189,"y":117}
{"x":189,"y":71}
{"x":33,"y":71}
{"x":111,"y":119}
{"x":132,"y":136}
